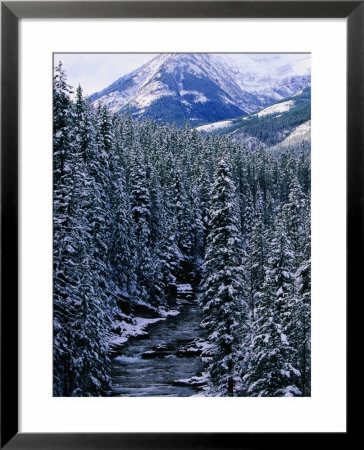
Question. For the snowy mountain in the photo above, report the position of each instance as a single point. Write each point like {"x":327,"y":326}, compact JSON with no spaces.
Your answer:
{"x":284,"y":124}
{"x":205,"y":88}
{"x":270,"y":77}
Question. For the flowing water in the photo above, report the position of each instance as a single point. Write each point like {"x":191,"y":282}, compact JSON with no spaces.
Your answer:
{"x":150,"y":365}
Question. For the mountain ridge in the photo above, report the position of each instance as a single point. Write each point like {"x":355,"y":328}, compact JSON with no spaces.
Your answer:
{"x":271,"y":126}
{"x":202,"y":87}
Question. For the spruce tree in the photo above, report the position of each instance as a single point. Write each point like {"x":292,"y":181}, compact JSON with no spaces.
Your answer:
{"x":224,"y":308}
{"x":63,"y":120}
{"x":272,"y":372}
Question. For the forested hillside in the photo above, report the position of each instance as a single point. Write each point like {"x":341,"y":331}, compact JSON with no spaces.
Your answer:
{"x":139,"y":207}
{"x":270,"y":126}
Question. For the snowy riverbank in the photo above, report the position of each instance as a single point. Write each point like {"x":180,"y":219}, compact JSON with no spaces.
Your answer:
{"x":137,"y":327}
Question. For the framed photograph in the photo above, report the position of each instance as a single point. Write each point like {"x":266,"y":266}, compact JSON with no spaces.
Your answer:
{"x":181,"y":191}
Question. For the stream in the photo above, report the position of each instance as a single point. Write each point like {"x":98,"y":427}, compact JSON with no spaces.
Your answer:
{"x":151,"y":365}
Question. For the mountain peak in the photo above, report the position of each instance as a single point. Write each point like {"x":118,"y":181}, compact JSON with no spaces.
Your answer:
{"x":203,"y":87}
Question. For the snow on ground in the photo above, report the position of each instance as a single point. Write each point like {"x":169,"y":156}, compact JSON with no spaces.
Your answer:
{"x":137,"y":328}
{"x":149,"y":93}
{"x":277,"y":108}
{"x":113,"y":100}
{"x":302,"y":132}
{"x":172,"y":312}
{"x":203,"y":345}
{"x":184,"y":288}
{"x":215,"y":126}
{"x":199,"y":97}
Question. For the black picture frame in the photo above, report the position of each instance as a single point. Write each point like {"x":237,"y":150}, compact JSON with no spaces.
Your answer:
{"x":11,"y":12}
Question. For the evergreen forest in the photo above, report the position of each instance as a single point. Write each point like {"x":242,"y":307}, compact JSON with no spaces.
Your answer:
{"x":141,"y":207}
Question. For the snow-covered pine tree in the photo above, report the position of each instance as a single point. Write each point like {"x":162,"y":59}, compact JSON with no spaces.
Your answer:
{"x":141,"y":213}
{"x":64,"y":160}
{"x":225,"y":311}
{"x":297,"y":214}
{"x":271,"y":372}
{"x":63,"y":119}
{"x":302,"y":314}
{"x":80,"y":311}
{"x":171,"y":255}
{"x":294,"y":213}
{"x":84,"y":124}
{"x":247,"y":211}
{"x":197,"y":226}
{"x":182,"y":211}
{"x":256,"y":250}
{"x":89,"y":325}
{"x":121,"y":249}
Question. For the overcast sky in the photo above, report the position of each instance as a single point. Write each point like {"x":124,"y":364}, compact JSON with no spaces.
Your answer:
{"x":95,"y":71}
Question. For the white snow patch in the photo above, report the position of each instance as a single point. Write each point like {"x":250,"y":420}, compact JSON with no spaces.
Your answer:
{"x":301,"y":130}
{"x":290,"y":391}
{"x":199,"y":97}
{"x":150,"y":93}
{"x":137,"y":328}
{"x":298,"y":93}
{"x":277,"y":108}
{"x":215,"y":126}
{"x":172,"y":312}
{"x":301,"y":133}
{"x":184,"y":288}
